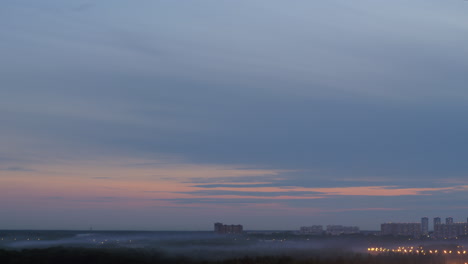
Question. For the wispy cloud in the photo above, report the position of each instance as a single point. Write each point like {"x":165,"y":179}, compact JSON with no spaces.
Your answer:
{"x":124,"y":100}
{"x":341,"y":191}
{"x":13,"y":169}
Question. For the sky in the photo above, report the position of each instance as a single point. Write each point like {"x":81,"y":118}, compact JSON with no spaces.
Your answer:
{"x":173,"y":115}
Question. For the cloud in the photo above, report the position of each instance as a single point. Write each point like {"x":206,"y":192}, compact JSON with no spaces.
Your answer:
{"x":15,"y":168}
{"x":363,"y":209}
{"x":235,"y":185}
{"x":253,"y":192}
{"x":327,"y":99}
{"x":343,"y":191}
{"x":55,"y":197}
{"x":234,"y":199}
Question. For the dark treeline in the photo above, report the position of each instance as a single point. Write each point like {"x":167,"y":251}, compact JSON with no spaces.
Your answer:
{"x":63,"y":255}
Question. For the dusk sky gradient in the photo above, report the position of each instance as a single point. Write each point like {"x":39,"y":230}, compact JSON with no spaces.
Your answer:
{"x":173,"y":115}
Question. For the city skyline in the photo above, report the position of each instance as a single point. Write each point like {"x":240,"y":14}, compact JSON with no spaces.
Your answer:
{"x":167,"y":115}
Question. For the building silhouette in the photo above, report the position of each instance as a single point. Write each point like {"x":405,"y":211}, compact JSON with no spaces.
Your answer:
{"x":336,"y":230}
{"x":219,"y":228}
{"x":450,"y":229}
{"x":437,"y":221}
{"x":401,"y":229}
{"x":311,"y":230}
{"x":425,"y":226}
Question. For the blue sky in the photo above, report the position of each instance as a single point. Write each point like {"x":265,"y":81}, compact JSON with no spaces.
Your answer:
{"x":272,"y":114}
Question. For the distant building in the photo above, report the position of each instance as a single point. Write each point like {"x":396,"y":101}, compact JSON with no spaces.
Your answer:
{"x":311,"y":230}
{"x":425,"y":226}
{"x":369,"y":232}
{"x":336,"y":230}
{"x":401,"y":229}
{"x":219,"y":228}
{"x":449,"y":229}
{"x":437,"y":221}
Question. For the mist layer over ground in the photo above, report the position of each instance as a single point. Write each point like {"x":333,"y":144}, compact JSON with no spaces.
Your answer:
{"x":208,"y":246}
{"x":199,"y":245}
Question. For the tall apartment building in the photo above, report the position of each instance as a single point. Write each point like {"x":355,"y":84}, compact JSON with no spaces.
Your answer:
{"x":311,"y":230}
{"x":425,"y":226}
{"x":449,"y":229}
{"x":227,"y":229}
{"x":401,"y":229}
{"x":448,"y":220}
{"x":437,"y":221}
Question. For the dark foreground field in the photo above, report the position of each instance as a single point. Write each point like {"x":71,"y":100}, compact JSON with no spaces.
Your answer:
{"x":63,"y":255}
{"x":69,"y":247}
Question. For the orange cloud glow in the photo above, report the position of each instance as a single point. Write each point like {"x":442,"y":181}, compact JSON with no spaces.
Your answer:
{"x":142,"y":183}
{"x":351,"y":191}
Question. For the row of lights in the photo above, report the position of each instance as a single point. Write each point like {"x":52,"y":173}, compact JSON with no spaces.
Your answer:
{"x":418,"y":251}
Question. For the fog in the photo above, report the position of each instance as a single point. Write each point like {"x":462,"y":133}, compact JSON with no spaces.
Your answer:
{"x":203,"y":245}
{"x":208,"y":245}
